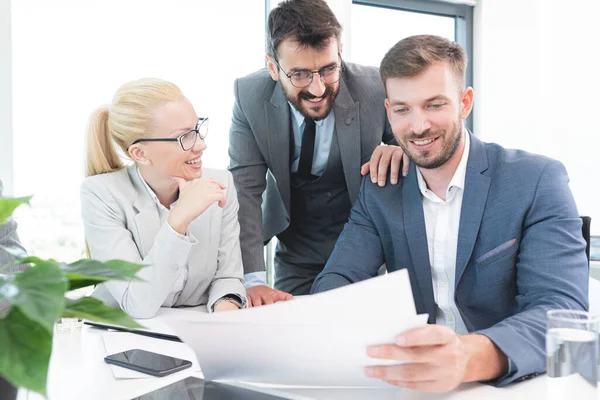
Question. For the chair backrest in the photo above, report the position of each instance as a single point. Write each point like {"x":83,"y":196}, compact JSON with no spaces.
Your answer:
{"x":585,"y":229}
{"x":594,"y":296}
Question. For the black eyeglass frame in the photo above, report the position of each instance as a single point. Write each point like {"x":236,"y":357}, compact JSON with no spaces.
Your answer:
{"x":179,"y":138}
{"x":312,"y":73}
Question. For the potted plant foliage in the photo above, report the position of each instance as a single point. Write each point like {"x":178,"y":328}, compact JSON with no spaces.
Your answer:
{"x":32,"y":301}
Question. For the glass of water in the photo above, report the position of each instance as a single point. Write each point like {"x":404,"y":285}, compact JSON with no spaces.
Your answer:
{"x":572,"y":352}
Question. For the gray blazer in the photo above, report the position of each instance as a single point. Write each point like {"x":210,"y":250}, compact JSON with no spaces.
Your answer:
{"x":520,"y":249}
{"x":121,"y":221}
{"x":10,"y":247}
{"x":259,"y":148}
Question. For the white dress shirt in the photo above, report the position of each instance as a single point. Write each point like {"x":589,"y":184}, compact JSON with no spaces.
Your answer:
{"x":182,"y":275}
{"x":442,"y":220}
{"x":323,"y":138}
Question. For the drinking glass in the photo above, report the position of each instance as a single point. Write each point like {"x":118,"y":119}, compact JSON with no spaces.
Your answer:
{"x":572,"y":353}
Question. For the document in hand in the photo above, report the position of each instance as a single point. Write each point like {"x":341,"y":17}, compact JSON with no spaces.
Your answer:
{"x":318,"y":340}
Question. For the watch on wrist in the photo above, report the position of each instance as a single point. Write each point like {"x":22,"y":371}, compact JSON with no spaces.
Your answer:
{"x":230,"y":298}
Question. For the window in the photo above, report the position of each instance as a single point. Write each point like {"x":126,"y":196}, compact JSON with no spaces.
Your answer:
{"x":374,"y":30}
{"x":73,"y":61}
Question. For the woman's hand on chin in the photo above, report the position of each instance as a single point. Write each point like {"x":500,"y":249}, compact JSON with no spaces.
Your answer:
{"x":195,"y":197}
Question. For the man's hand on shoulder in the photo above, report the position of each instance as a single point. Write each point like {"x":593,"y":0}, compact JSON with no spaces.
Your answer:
{"x":386,"y":158}
{"x":263,"y":294}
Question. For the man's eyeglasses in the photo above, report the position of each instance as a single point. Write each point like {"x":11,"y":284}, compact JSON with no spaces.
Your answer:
{"x":187,"y":139}
{"x":303,"y":78}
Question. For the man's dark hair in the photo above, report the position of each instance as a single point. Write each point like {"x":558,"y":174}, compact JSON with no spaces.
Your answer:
{"x":309,"y":22}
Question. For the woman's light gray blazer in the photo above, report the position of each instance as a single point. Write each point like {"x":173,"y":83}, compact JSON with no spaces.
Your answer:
{"x":122,"y":221}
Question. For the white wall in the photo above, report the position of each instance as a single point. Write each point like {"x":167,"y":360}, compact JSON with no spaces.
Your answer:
{"x":537,"y":87}
{"x":6,"y":143}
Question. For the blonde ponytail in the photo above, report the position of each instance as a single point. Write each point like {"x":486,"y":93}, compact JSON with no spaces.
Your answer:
{"x":101,"y":154}
{"x":128,"y":118}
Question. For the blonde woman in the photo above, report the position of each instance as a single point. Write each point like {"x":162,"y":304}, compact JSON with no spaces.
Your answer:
{"x":164,"y":210}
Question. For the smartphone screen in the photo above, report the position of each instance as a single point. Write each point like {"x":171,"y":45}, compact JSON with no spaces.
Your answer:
{"x":148,"y":362}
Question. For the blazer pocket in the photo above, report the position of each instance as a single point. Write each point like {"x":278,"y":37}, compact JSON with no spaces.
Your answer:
{"x":496,"y":254}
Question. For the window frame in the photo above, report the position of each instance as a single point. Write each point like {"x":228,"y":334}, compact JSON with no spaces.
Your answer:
{"x":463,"y":23}
{"x":6,"y":138}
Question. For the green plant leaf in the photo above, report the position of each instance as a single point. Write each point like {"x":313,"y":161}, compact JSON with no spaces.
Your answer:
{"x":86,"y":272}
{"x":9,"y":204}
{"x":95,"y":310}
{"x":91,"y":272}
{"x":39,"y":292}
{"x":25,"y":351}
{"x":32,"y":260}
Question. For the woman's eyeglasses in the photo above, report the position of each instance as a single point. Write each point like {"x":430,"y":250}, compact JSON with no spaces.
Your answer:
{"x":186,"y":140}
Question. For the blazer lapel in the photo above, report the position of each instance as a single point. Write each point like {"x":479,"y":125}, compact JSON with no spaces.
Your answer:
{"x":416,"y":236}
{"x":147,"y":220}
{"x":347,"y":126}
{"x":277,"y":113}
{"x":473,"y":204}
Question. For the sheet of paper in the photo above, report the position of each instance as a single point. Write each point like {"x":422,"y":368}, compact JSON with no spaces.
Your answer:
{"x":371,"y":300}
{"x":318,"y":340}
{"x":116,"y":342}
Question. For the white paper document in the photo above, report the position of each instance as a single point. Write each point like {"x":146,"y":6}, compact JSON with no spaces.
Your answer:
{"x":318,"y":340}
{"x":116,"y":342}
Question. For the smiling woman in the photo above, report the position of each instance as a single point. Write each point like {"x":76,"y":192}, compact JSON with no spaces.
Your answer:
{"x":164,"y":210}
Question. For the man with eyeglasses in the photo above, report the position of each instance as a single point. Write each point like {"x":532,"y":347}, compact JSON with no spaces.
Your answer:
{"x":301,"y":129}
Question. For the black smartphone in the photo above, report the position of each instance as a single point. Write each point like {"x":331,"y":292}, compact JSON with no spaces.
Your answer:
{"x":147,"y":362}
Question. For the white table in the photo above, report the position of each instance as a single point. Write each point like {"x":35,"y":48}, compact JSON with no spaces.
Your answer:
{"x":78,"y":371}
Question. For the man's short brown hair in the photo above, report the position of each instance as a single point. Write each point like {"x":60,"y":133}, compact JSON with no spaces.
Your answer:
{"x":413,"y":55}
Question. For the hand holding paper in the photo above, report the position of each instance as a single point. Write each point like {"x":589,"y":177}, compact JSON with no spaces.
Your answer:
{"x":437,"y":359}
{"x":319,"y":340}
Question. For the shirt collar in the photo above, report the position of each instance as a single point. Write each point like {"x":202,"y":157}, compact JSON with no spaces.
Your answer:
{"x":458,"y":179}
{"x":299,"y":118}
{"x":151,"y":192}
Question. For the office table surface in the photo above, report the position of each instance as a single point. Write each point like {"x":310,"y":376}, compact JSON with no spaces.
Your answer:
{"x":78,"y":371}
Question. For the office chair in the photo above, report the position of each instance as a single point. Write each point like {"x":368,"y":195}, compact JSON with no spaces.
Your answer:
{"x":585,"y":229}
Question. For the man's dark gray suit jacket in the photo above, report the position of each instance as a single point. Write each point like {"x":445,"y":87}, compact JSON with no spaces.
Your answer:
{"x":259,"y":148}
